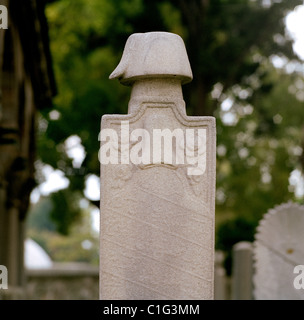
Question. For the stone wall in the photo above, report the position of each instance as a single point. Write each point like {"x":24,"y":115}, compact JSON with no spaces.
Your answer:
{"x":63,"y":282}
{"x":68,"y":281}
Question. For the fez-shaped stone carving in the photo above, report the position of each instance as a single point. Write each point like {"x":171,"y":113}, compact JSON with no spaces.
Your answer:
{"x":153,"y":55}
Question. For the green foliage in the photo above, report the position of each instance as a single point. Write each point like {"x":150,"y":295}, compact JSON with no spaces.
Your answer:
{"x":261,"y":150}
{"x":232,"y":232}
{"x":65,"y":210}
{"x":39,"y":216}
{"x":79,"y":247}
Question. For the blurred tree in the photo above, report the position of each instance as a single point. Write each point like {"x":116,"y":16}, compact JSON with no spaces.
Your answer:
{"x":258,"y":149}
{"x":39,"y":216}
{"x":78,"y":247}
{"x":231,"y":47}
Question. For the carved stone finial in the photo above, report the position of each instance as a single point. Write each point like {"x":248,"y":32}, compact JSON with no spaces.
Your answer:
{"x":153,"y":55}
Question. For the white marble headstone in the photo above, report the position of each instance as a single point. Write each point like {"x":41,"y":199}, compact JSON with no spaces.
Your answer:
{"x":157,"y":181}
{"x":278,"y":250}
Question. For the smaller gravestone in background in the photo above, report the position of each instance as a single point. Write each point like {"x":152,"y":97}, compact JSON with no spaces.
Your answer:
{"x":278,"y":250}
{"x":220,"y":277}
{"x":242,"y":271}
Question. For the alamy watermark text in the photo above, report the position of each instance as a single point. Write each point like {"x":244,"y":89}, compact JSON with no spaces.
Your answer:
{"x":3,"y":277}
{"x":176,"y":147}
{"x":298,"y":282}
{"x":3,"y":17}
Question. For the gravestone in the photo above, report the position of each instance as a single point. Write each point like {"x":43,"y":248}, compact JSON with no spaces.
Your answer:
{"x":157,"y":181}
{"x":279,"y":254}
{"x":220,"y":277}
{"x":242,"y":271}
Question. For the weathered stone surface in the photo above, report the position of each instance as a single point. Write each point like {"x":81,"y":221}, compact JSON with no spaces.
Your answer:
{"x":278,"y":249}
{"x":220,"y":278}
{"x":242,"y":271}
{"x":153,"y":55}
{"x":157,"y":216}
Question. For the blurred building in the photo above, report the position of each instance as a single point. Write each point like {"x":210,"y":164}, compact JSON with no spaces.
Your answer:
{"x":26,"y":85}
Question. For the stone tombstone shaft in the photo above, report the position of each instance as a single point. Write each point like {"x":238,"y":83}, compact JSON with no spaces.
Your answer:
{"x":157,"y":181}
